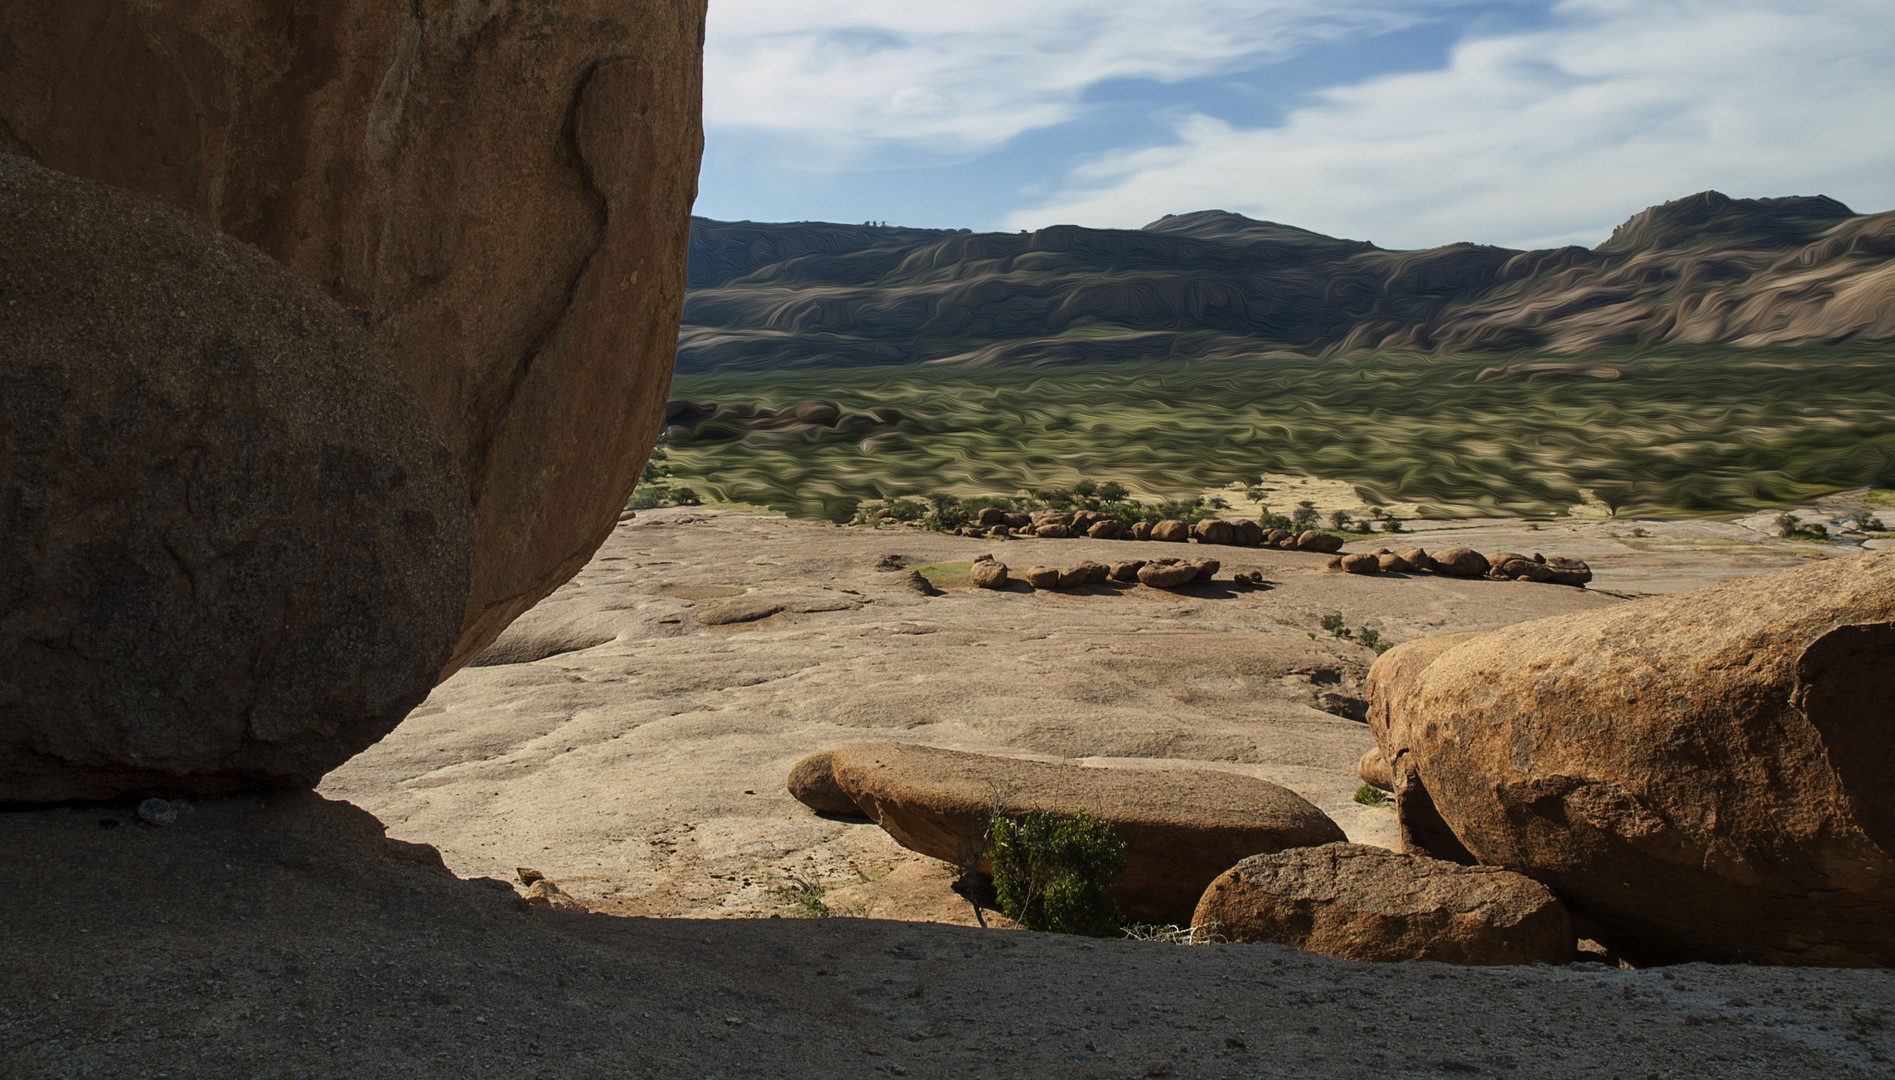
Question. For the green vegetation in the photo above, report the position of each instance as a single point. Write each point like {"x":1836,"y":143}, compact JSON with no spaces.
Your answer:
{"x":1364,"y":636}
{"x":943,"y":513}
{"x":1056,"y":874}
{"x":1791,"y":527}
{"x":1689,"y":431}
{"x":656,"y":486}
{"x":948,"y":575}
{"x":1370,"y":795}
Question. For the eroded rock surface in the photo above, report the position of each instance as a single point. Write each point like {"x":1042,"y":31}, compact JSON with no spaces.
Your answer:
{"x":499,"y":192}
{"x":233,"y":545}
{"x":1705,"y":772}
{"x":1181,"y":827}
{"x":1368,"y":903}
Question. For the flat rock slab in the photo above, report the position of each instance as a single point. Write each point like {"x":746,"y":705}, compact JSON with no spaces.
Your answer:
{"x":1181,"y":827}
{"x":1368,"y":903}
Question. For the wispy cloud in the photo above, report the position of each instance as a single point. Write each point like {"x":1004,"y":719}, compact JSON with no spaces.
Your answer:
{"x":1546,"y":136}
{"x":848,"y":80}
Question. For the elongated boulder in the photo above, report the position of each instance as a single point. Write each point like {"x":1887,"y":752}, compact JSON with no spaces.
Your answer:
{"x":1167,"y":573}
{"x":1181,"y":828}
{"x":1214,"y":531}
{"x":234,"y":547}
{"x":1458,"y":562}
{"x":1705,"y":773}
{"x":1320,"y":542}
{"x":500,"y":192}
{"x":1368,"y":903}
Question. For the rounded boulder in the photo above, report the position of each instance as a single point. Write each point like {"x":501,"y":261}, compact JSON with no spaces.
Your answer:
{"x":234,"y":547}
{"x":1359,"y":902}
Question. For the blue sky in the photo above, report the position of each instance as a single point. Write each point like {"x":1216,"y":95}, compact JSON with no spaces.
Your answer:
{"x":1407,"y":122}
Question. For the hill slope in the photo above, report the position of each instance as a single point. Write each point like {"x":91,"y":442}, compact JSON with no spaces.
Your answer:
{"x":1705,"y":269}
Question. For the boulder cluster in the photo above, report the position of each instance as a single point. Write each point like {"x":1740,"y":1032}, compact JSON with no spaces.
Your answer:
{"x":1237,"y":856}
{"x":1061,"y":525}
{"x":1464,"y":562}
{"x":1168,"y":573}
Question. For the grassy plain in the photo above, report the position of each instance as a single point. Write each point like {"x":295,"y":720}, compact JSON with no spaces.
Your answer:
{"x":1677,"y":431}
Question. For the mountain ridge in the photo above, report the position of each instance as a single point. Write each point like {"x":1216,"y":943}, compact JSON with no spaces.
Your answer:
{"x":1705,"y":269}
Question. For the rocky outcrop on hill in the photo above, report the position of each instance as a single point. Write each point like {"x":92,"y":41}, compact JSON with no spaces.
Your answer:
{"x":1368,"y":903}
{"x":498,"y":192}
{"x":234,"y":547}
{"x":1705,"y":269}
{"x":1703,"y":772}
{"x":1181,"y":827}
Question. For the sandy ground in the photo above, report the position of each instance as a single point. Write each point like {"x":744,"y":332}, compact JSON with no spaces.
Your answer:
{"x":636,"y":750}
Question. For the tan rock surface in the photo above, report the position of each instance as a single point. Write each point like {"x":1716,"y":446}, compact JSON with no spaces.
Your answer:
{"x":1367,"y":903}
{"x":500,"y":192}
{"x":1702,"y":772}
{"x":812,"y":782}
{"x":233,"y":545}
{"x":1180,"y":827}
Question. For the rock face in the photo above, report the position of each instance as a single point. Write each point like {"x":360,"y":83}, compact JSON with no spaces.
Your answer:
{"x":499,"y":192}
{"x":1703,"y":772}
{"x":1181,"y":828}
{"x":1368,"y":903}
{"x":234,"y":547}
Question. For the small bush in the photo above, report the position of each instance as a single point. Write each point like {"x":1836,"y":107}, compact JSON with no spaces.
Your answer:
{"x":1333,"y":623}
{"x":1054,"y":874}
{"x":1304,"y":518}
{"x":1370,"y":795}
{"x":1373,"y":639}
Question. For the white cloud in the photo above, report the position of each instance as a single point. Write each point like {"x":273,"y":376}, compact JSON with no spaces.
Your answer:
{"x":1549,"y":136}
{"x":848,"y":78}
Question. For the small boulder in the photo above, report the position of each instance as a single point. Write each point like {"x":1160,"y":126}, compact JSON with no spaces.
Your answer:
{"x":990,"y":516}
{"x":1334,"y":564}
{"x":1096,"y":573}
{"x":1171,"y":531}
{"x":1288,"y":543}
{"x":1358,"y":902}
{"x":1275,"y":536}
{"x":1109,"y":529}
{"x":1249,"y":533}
{"x":1459,"y":562}
{"x":1373,"y":768}
{"x":1206,"y":568}
{"x":1128,"y":570}
{"x":1043,"y":577}
{"x":547,"y":896}
{"x":1071,"y":577}
{"x":1565,"y":571}
{"x":1361,"y":564}
{"x":987,"y":573}
{"x":1181,"y":827}
{"x":1167,"y":573}
{"x":1320,"y":542}
{"x":1213,"y":531}
{"x":1141,"y":530}
{"x":1000,"y":532}
{"x":1392,"y":563}
{"x":1084,"y":520}
{"x":1016,"y":522}
{"x":1414,"y":557}
{"x":812,"y":782}
{"x":1052,"y":531}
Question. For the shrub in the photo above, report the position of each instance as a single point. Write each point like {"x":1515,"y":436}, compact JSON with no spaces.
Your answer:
{"x":1333,"y":623}
{"x":1304,"y":519}
{"x":1340,"y":519}
{"x":1054,"y":874}
{"x":1370,"y":795}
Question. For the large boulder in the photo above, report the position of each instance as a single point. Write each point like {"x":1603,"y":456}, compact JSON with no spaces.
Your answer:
{"x":1108,"y":529}
{"x":1249,"y":533}
{"x":1181,"y":827}
{"x":1368,"y":903}
{"x":1167,"y":573}
{"x":1704,"y":773}
{"x":1042,"y":577}
{"x":499,"y":192}
{"x":234,"y":547}
{"x":1214,"y":531}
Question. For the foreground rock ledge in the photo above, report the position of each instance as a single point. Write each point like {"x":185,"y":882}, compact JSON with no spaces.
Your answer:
{"x":1181,"y":827}
{"x":1358,"y":902}
{"x":1705,"y":773}
{"x":499,"y":191}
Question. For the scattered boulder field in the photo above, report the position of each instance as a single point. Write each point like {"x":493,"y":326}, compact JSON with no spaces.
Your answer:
{"x":1174,"y":572}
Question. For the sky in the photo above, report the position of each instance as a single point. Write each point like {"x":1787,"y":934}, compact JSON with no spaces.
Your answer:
{"x":1409,"y":123}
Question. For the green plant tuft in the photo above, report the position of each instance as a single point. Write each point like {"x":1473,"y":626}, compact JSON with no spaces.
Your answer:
{"x":1056,"y":874}
{"x":1370,"y":795}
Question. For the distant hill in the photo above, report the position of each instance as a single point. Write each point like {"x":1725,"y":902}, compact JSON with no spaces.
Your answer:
{"x":1706,"y":269}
